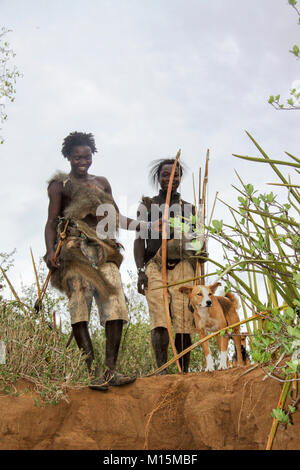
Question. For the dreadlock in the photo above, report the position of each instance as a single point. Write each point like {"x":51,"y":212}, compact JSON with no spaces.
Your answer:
{"x":156,"y":167}
{"x":77,"y":138}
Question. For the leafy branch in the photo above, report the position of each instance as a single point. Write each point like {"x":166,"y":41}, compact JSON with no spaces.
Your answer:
{"x":8,"y":75}
{"x":293,"y":102}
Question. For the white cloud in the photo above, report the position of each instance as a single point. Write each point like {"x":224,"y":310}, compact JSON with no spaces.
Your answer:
{"x":228,"y":51}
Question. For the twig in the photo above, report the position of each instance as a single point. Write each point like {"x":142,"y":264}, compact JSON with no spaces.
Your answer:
{"x":13,"y":291}
{"x":36,"y":274}
{"x":164,"y":258}
{"x":295,"y":403}
{"x":280,"y":405}
{"x":203,"y":212}
{"x":249,"y":370}
{"x":278,"y":379}
{"x":279,"y":360}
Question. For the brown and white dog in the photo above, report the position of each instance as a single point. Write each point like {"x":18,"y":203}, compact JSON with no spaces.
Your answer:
{"x":213,"y":313}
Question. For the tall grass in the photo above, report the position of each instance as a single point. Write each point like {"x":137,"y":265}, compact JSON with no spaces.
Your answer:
{"x":262,"y":251}
{"x":36,"y":353}
{"x":36,"y":348}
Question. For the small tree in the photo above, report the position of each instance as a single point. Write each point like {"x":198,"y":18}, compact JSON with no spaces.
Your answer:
{"x":8,"y":75}
{"x":293,"y":102}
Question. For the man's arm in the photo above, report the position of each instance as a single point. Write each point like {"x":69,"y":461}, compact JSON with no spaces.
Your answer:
{"x":125,"y":222}
{"x":131,"y":224}
{"x":139,"y":256}
{"x":54,"y":211}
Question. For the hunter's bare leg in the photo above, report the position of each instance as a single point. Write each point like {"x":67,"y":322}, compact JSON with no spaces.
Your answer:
{"x":84,"y":342}
{"x":113,"y":332}
{"x":183,"y":341}
{"x":160,"y":343}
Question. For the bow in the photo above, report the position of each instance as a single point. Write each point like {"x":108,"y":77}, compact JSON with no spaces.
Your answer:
{"x":201,"y":214}
{"x":164,"y":258}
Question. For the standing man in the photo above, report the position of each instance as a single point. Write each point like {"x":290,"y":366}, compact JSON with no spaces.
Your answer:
{"x":147,"y":255}
{"x":89,"y":261}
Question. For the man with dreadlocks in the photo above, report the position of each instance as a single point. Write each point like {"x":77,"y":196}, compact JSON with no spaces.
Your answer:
{"x":180,"y":265}
{"x":89,"y":261}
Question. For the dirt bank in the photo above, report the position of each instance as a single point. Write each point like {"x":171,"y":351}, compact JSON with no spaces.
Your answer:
{"x":217,"y":410}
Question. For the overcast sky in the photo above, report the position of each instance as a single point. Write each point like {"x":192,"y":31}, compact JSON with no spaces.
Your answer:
{"x":146,"y":77}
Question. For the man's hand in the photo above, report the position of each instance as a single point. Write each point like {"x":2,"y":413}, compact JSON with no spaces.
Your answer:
{"x":203,"y":254}
{"x":50,"y":261}
{"x":156,"y":225}
{"x":142,"y":283}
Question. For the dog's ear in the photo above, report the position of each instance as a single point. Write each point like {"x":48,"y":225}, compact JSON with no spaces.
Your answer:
{"x":185,"y":289}
{"x":214,"y":286}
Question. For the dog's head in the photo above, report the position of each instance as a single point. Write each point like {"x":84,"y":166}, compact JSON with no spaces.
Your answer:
{"x":199,"y":296}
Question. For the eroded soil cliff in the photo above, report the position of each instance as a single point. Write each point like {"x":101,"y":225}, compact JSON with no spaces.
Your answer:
{"x":216,"y":410}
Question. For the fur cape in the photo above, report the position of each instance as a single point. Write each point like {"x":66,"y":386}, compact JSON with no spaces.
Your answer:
{"x":83,"y":252}
{"x":84,"y":198}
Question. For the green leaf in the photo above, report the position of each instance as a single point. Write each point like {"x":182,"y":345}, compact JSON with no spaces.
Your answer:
{"x":171,"y":221}
{"x":185,"y":227}
{"x":295,"y":50}
{"x":36,"y":402}
{"x":243,"y":201}
{"x":228,"y":287}
{"x":196,"y":245}
{"x":280,"y":415}
{"x":296,"y":278}
{"x":175,"y":223}
{"x":294,"y":366}
{"x":218,"y":224}
{"x":271,"y":99}
{"x":249,"y":189}
{"x":290,"y":313}
{"x":295,"y":332}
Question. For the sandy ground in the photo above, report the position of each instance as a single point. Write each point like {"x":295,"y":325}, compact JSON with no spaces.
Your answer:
{"x":215,"y":410}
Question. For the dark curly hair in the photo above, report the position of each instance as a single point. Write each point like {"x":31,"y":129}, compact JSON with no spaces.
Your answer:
{"x":156,"y":167}
{"x":77,"y":138}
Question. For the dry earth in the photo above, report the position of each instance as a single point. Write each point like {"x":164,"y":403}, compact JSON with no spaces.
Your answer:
{"x":216,"y":410}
